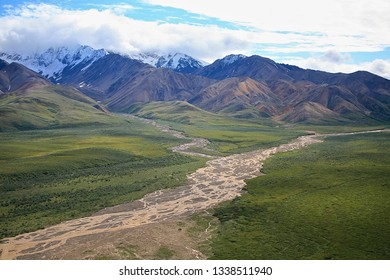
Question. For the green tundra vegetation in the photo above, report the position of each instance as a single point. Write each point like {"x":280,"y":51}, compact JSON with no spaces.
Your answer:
{"x":50,"y":107}
{"x":227,"y":135}
{"x":326,"y":201}
{"x":48,"y":176}
{"x":56,"y":165}
{"x":63,"y":156}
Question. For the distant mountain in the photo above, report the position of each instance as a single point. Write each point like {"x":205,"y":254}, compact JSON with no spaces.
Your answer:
{"x":229,"y":59}
{"x":120,"y":81}
{"x":246,"y":87}
{"x":347,"y":95}
{"x":15,"y":76}
{"x":178,"y":62}
{"x":52,"y":62}
{"x":159,"y":85}
{"x":104,"y":77}
{"x":310,"y":112}
{"x":237,"y":94}
{"x":255,"y":67}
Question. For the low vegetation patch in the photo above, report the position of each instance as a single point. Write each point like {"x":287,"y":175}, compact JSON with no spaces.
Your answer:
{"x":327,"y":201}
{"x":49,"y":176}
{"x":164,"y":253}
{"x":228,"y":135}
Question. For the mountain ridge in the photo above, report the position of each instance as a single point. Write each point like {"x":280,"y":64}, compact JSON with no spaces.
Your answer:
{"x":178,"y":62}
{"x":15,"y":76}
{"x":53,"y":61}
{"x":251,"y":87}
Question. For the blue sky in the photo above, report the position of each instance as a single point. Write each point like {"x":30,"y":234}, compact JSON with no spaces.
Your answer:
{"x":139,"y":10}
{"x":332,"y":35}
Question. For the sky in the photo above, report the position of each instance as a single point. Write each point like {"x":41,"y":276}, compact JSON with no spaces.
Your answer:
{"x":330,"y":35}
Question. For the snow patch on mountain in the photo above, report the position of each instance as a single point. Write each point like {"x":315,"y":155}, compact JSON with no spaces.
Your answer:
{"x":175,"y":61}
{"x":148,"y":58}
{"x":52,"y":62}
{"x":229,"y":59}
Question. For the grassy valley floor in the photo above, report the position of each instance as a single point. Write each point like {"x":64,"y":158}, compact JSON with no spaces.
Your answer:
{"x":327,"y":201}
{"x":48,"y":176}
{"x":227,"y":135}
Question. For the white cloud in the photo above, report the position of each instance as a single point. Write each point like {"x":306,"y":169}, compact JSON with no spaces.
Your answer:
{"x":335,"y":62}
{"x":37,"y":27}
{"x":345,"y":26}
{"x":118,"y":9}
{"x":348,"y":25}
{"x":336,"y":57}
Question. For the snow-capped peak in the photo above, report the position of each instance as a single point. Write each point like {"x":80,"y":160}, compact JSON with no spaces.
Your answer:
{"x":229,"y":59}
{"x":176,"y":61}
{"x":148,"y":58}
{"x":53,"y":61}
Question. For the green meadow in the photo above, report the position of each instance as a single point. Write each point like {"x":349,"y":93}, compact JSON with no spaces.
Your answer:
{"x":227,"y":135}
{"x":48,"y":176}
{"x":326,"y":201}
{"x":50,"y":107}
{"x":66,"y":170}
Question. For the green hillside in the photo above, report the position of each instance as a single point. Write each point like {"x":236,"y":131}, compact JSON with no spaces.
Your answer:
{"x":63,"y":156}
{"x":227,"y":134}
{"x":175,"y":111}
{"x":49,"y":107}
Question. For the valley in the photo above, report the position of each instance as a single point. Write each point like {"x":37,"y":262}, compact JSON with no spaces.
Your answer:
{"x":222,"y":179}
{"x":104,"y":156}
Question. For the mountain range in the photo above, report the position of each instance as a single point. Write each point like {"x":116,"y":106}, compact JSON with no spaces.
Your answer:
{"x":52,"y":62}
{"x":236,"y":85}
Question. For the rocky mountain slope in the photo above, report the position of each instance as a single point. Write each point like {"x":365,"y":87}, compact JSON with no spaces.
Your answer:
{"x":236,"y":94}
{"x":237,"y":85}
{"x":357,"y":94}
{"x":52,"y":62}
{"x":15,"y":76}
{"x":120,"y":81}
{"x":178,"y":62}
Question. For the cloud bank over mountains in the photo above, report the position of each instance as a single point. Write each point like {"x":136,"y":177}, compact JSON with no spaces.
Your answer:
{"x":36,"y":27}
{"x":310,"y":34}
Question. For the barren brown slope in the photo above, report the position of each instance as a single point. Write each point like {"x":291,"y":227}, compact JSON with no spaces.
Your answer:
{"x":236,"y":93}
{"x":157,"y":85}
{"x":105,"y":76}
{"x":256,"y":67}
{"x":308,"y":112}
{"x":360,"y":93}
{"x":15,"y":76}
{"x":120,"y":81}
